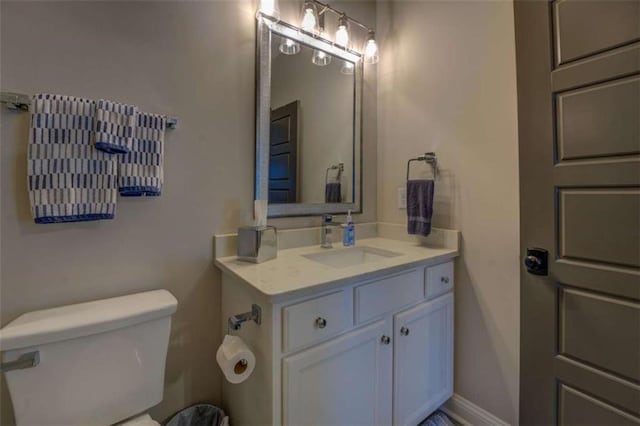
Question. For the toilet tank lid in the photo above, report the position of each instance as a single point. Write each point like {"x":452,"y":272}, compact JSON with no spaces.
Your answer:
{"x":83,"y":319}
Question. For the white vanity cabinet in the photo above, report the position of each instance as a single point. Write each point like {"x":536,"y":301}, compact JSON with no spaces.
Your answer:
{"x":423,"y":359}
{"x":371,"y":352}
{"x":345,"y":381}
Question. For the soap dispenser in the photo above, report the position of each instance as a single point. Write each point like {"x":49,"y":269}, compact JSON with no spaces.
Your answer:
{"x":349,"y":234}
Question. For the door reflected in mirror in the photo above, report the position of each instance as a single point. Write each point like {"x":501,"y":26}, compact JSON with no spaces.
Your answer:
{"x":312,"y":138}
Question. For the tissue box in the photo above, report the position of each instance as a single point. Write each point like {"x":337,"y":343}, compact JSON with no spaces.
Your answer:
{"x":257,"y":244}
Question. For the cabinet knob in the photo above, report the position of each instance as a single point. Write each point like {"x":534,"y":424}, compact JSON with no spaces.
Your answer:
{"x":321,"y":322}
{"x":385,"y":340}
{"x":404,"y":331}
{"x":444,"y":280}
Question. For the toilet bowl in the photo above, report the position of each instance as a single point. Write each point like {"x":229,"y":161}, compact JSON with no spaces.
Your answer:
{"x":100,"y":362}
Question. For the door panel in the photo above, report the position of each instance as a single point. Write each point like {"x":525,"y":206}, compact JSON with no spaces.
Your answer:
{"x":599,"y":121}
{"x":577,"y":408}
{"x":603,"y":342}
{"x":423,"y":360}
{"x":346,"y":381}
{"x":579,"y":142}
{"x":283,"y":154}
{"x":578,"y":26}
{"x":600,"y":225}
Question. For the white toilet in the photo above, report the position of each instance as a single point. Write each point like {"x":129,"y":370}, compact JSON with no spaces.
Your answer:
{"x":100,"y":362}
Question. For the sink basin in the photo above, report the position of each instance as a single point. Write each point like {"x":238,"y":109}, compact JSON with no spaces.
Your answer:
{"x":352,"y":256}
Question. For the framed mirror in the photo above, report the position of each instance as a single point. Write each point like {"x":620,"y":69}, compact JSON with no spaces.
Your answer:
{"x":308,"y":123}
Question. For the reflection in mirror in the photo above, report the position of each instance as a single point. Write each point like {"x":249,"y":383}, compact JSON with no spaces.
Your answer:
{"x":308,"y":123}
{"x":311,"y":144}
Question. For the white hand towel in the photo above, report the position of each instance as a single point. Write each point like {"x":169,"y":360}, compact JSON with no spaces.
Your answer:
{"x":69,"y":180}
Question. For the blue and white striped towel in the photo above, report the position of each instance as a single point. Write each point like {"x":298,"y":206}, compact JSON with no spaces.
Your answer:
{"x":115,"y":126}
{"x":141,"y":169}
{"x":69,"y":180}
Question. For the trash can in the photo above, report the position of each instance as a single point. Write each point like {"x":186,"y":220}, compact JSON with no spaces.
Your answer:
{"x":199,"y":415}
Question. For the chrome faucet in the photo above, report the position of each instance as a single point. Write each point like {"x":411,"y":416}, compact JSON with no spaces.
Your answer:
{"x":327,"y":229}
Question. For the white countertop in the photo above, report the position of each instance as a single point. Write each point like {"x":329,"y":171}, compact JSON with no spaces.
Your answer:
{"x":291,"y":274}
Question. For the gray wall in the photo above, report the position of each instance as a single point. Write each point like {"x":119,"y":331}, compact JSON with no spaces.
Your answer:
{"x":447,"y":83}
{"x":192,"y":60}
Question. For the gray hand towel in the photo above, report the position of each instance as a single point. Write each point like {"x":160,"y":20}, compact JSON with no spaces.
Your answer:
{"x":333,"y":192}
{"x":419,"y":206}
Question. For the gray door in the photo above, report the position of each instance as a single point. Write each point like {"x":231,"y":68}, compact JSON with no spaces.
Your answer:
{"x":578,"y":68}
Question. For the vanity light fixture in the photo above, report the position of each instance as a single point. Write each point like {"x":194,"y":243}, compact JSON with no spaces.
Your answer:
{"x":347,"y":67}
{"x":309,"y":18}
{"x":342,"y":34}
{"x":320,"y":57}
{"x":371,"y":49}
{"x":288,"y":46}
{"x":312,"y":25}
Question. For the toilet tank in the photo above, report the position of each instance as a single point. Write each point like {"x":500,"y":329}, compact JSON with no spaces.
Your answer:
{"x":100,"y":362}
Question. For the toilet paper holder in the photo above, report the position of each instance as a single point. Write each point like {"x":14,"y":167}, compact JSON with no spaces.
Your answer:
{"x":235,"y":321}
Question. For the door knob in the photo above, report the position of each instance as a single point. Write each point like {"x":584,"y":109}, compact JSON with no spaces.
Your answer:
{"x":444,"y":280}
{"x":404,"y":331}
{"x":536,"y":261}
{"x":321,"y":322}
{"x":385,"y":340}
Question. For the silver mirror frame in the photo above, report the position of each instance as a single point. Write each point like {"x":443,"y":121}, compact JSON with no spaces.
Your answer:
{"x":265,"y":28}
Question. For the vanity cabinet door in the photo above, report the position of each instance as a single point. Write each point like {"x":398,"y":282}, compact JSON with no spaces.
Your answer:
{"x":423,"y":362}
{"x":345,"y":381}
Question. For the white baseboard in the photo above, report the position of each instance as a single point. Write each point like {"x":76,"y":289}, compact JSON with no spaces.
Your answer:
{"x":469,"y":414}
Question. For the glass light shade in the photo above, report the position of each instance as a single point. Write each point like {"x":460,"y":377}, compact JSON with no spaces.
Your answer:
{"x":309,"y":18}
{"x":289,"y":47}
{"x":347,"y":67}
{"x":321,"y":58}
{"x":342,"y":34}
{"x":371,"y":52}
{"x":270,"y":8}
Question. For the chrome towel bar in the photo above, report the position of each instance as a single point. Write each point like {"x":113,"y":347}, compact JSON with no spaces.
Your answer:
{"x":339,"y":167}
{"x":21,"y":102}
{"x":429,"y":158}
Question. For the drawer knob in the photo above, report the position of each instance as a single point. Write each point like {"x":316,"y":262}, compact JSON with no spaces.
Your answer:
{"x":404,"y":331}
{"x":385,"y":340}
{"x":444,"y":280}
{"x":321,"y":322}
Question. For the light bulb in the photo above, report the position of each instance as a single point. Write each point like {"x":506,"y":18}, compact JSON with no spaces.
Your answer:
{"x":342,"y":34}
{"x":347,"y":68}
{"x":321,"y":58}
{"x":289,"y":47}
{"x":371,"y":50}
{"x":309,"y":20}
{"x":269,"y":8}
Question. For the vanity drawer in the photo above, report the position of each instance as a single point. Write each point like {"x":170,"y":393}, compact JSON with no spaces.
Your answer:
{"x":389,"y":294}
{"x":439,"y":279}
{"x":316,"y":319}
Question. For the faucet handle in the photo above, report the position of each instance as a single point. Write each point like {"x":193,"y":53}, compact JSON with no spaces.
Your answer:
{"x":327,"y":218}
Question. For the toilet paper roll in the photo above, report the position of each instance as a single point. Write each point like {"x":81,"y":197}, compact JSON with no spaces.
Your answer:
{"x":235,"y":359}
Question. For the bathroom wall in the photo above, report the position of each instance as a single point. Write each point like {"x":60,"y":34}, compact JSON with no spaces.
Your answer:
{"x":192,"y":60}
{"x":447,"y":83}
